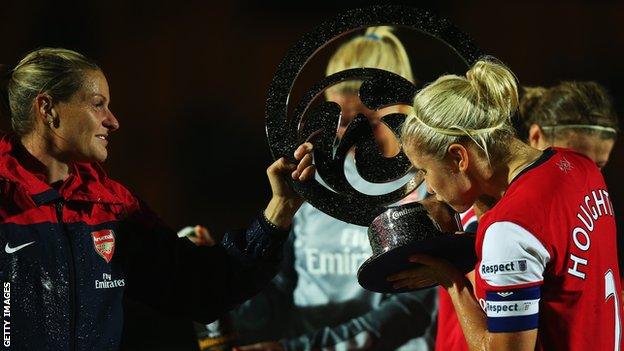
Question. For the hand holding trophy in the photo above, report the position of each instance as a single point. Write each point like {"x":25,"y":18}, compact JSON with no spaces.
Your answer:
{"x":395,"y":233}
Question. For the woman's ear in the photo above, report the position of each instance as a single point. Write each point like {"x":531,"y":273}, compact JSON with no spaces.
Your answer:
{"x":537,"y":139}
{"x":458,"y":154}
{"x":43,"y":108}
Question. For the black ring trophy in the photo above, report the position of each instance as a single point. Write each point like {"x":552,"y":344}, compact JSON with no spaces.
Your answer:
{"x":395,"y":233}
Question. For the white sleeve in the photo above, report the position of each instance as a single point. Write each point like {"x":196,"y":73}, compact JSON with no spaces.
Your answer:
{"x":512,"y":256}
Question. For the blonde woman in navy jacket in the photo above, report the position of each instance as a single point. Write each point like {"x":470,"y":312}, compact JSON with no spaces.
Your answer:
{"x":75,"y":241}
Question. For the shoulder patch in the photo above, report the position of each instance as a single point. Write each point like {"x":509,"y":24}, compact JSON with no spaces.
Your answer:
{"x":505,"y":267}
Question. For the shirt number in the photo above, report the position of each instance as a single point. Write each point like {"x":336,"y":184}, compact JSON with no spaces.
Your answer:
{"x":610,"y":292}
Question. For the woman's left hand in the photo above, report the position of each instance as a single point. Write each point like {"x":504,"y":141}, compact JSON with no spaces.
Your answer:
{"x":431,"y":271}
{"x":285,"y":201}
{"x":201,"y":236}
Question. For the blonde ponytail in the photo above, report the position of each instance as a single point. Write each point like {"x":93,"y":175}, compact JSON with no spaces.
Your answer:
{"x":496,"y":87}
{"x":377,"y":48}
{"x":55,"y":71}
{"x":396,"y":57}
{"x":478,"y":107}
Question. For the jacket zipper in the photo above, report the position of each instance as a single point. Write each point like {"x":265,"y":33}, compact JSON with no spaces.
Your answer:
{"x":72,"y":283}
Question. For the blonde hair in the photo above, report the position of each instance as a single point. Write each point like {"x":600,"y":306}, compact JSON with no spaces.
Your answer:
{"x":54,"y":71}
{"x":578,"y":107}
{"x":377,"y":48}
{"x":455,"y":109}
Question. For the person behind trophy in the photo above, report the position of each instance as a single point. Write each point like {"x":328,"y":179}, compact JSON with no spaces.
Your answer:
{"x":316,"y":301}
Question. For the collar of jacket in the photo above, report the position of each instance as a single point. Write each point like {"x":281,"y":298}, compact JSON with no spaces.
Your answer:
{"x":23,"y":175}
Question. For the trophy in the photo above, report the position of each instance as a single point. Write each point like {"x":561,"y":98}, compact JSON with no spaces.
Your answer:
{"x":293,"y":117}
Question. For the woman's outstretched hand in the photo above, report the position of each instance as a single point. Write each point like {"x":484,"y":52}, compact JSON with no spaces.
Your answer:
{"x":285,"y":201}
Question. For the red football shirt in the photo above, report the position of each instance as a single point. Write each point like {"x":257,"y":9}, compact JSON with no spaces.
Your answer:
{"x":547,"y":257}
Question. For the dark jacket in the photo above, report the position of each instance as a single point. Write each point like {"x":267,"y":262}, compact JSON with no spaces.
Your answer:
{"x":397,"y":321}
{"x":73,"y":249}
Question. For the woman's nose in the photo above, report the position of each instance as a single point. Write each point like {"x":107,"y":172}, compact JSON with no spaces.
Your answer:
{"x":111,"y":122}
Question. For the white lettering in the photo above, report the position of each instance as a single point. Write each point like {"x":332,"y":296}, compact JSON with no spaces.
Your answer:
{"x":606,"y":194}
{"x":482,"y":303}
{"x":574,"y":270}
{"x":333,"y":263}
{"x":108,"y":283}
{"x":504,"y":267}
{"x":592,"y":209}
{"x":105,"y":237}
{"x":602,"y":206}
{"x":577,"y":242}
{"x":600,"y":202}
{"x":312,"y":261}
{"x":398,"y":214}
{"x":6,"y":310}
{"x":7,"y":334}
{"x":512,"y":308}
{"x":590,"y":225}
{"x":6,"y":313}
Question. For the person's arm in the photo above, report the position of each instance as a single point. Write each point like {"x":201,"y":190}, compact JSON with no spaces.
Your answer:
{"x":474,"y":323}
{"x":512,"y":292}
{"x":398,"y":319}
{"x":161,"y":269}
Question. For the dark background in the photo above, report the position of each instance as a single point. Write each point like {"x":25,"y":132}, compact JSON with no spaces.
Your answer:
{"x":189,"y":79}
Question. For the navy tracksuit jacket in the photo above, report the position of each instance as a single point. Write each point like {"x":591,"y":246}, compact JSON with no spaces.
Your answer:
{"x":70,"y":251}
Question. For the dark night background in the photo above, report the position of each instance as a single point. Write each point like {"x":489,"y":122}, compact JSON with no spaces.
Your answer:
{"x":189,"y":79}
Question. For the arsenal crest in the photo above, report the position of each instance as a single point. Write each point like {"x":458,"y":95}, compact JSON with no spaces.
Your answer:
{"x":104,"y":243}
